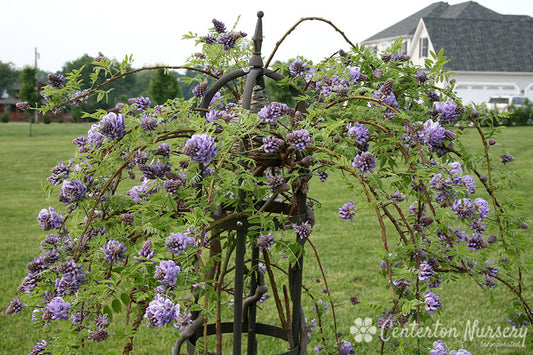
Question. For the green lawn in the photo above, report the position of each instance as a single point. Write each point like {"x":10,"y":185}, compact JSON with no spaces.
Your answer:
{"x":349,"y":252}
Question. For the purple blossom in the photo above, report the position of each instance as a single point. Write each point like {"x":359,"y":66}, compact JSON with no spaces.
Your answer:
{"x":273,"y":111}
{"x":228,"y":40}
{"x":200,"y":89}
{"x":358,"y":132}
{"x":439,"y":348}
{"x":425,"y":271}
{"x":455,"y":168}
{"x":347,"y":211}
{"x":15,"y":306}
{"x":481,"y":207}
{"x":149,"y":122}
{"x":114,"y":251}
{"x":437,"y":182}
{"x":365,"y":162}
{"x":265,"y":241}
{"x":463,"y":208}
{"x":434,"y":134}
{"x":73,"y":277}
{"x":112,"y":126}
{"x":177,"y":243}
{"x":183,"y":320}
{"x":209,"y":39}
{"x":446,"y":111}
{"x":219,"y":26}
{"x":322,"y":175}
{"x":167,"y":273}
{"x":140,"y":192}
{"x":40,"y":348}
{"x":49,"y":219}
{"x":56,"y":80}
{"x":397,"y":197}
{"x":468,"y":183}
{"x":506,"y":158}
{"x":476,"y":242}
{"x":72,"y":191}
{"x":146,"y":250}
{"x":56,"y":309}
{"x":299,"y":139}
{"x":272,"y":144}
{"x":23,"y":105}
{"x":298,"y":67}
{"x":142,"y":103}
{"x":161,"y":311}
{"x":201,"y":148}
{"x":275,"y":182}
{"x":172,"y":186}
{"x":79,"y":98}
{"x":303,"y":231}
{"x":98,"y":335}
{"x":460,"y":352}
{"x":59,"y":173}
{"x":345,"y":348}
{"x":153,"y":170}
{"x":432,"y":301}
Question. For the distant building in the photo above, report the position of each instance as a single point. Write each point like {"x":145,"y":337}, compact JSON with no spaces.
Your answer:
{"x":489,"y":54}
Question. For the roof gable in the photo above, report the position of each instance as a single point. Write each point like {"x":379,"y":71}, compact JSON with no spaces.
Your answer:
{"x":484,"y":45}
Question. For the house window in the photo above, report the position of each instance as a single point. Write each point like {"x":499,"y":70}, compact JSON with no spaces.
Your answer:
{"x":403,"y":50}
{"x":423,"y":47}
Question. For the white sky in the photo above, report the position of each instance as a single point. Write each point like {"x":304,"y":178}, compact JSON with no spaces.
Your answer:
{"x":63,"y":30}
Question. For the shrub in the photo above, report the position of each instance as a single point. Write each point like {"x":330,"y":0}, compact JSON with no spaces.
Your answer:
{"x":4,"y":118}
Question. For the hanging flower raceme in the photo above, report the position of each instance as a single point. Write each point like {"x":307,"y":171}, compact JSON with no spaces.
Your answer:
{"x":201,"y":148}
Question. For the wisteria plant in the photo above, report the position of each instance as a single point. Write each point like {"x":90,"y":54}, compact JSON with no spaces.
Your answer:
{"x":132,"y":240}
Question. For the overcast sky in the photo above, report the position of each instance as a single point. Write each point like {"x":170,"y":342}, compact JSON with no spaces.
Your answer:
{"x":63,"y":30}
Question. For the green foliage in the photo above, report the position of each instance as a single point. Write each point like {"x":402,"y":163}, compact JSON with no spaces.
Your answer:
{"x":29,"y":91}
{"x":8,"y":76}
{"x":164,"y":86}
{"x":522,"y":115}
{"x":4,"y":118}
{"x":166,"y":180}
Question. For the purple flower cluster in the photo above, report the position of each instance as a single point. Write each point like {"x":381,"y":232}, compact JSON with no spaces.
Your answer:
{"x":40,"y":348}
{"x":272,"y":144}
{"x":303,"y":231}
{"x":154,"y":170}
{"x":272,"y":112}
{"x":79,"y":98}
{"x":200,"y":89}
{"x":73,"y":276}
{"x":56,"y":309}
{"x":149,"y":122}
{"x":275,"y":182}
{"x":72,"y":191}
{"x":59,"y":173}
{"x":140,"y":192}
{"x":112,"y":126}
{"x":167,"y":273}
{"x":432,"y":301}
{"x":56,"y":80}
{"x":142,"y":103}
{"x":506,"y":158}
{"x":23,"y":105}
{"x":440,"y":348}
{"x":386,"y":95}
{"x":300,"y":68}
{"x":146,"y":250}
{"x":222,"y":37}
{"x":265,"y":241}
{"x":161,"y":311}
{"x":358,"y":132}
{"x":49,"y":219}
{"x":299,"y":139}
{"x":345,"y":348}
{"x":201,"y":148}
{"x":322,"y":175}
{"x":15,"y":306}
{"x":114,"y":251}
{"x":446,"y":111}
{"x":425,"y":271}
{"x":347,"y":211}
{"x":365,"y":162}
{"x":177,"y":243}
{"x":219,"y":26}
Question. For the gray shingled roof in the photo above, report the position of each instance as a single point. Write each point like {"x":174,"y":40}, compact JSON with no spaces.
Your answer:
{"x":474,"y":38}
{"x":484,"y":45}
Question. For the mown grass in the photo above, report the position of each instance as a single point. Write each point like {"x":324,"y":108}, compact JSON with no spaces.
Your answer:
{"x":350,"y":253}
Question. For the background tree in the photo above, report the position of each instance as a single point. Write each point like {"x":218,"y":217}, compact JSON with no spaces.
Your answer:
{"x":8,"y":76}
{"x":163,"y":86}
{"x":29,"y":90}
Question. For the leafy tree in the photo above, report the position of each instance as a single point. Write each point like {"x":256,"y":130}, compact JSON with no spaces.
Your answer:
{"x":29,"y":90}
{"x":163,"y":86}
{"x":8,"y":76}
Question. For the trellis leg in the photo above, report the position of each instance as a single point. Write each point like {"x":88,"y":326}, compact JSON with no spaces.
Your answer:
{"x":239,"y":281}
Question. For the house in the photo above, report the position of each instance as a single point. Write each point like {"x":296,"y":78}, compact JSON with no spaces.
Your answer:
{"x":489,"y":53}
